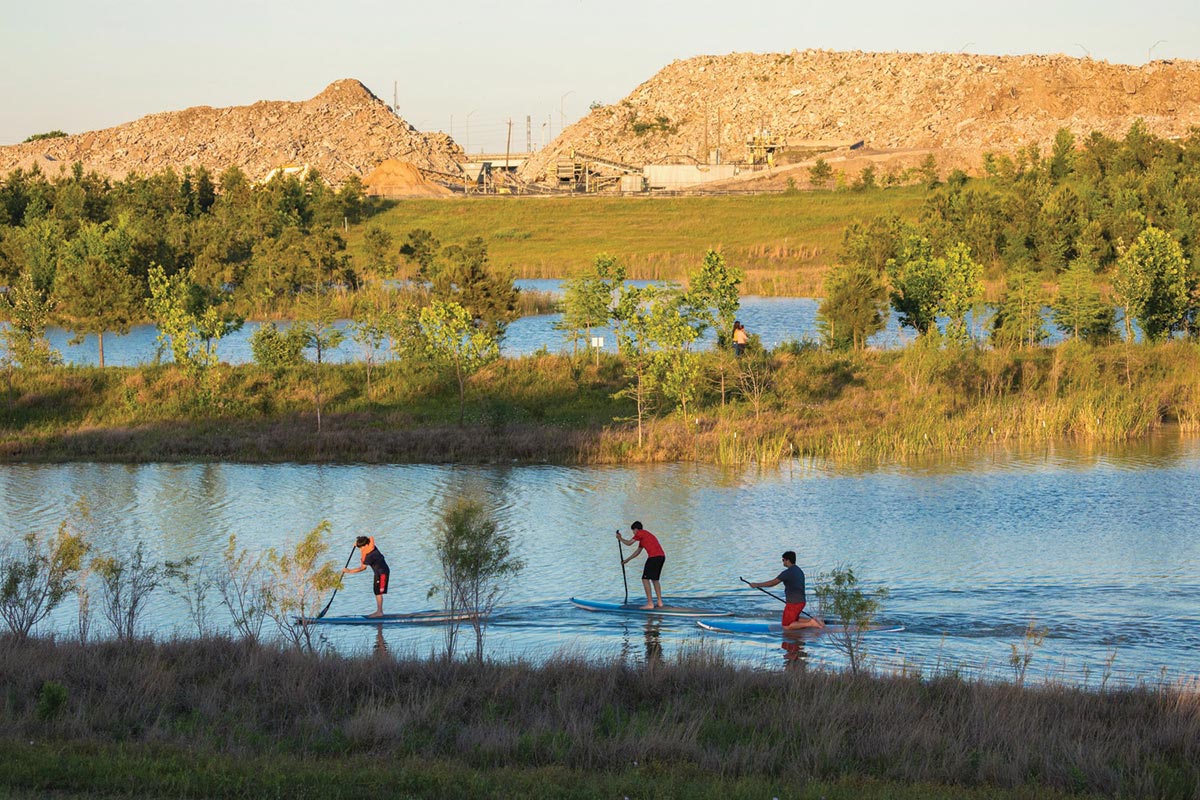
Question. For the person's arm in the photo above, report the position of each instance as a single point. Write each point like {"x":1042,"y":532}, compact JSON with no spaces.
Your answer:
{"x":636,"y":553}
{"x":765,"y":584}
{"x":348,"y":571}
{"x":624,"y":541}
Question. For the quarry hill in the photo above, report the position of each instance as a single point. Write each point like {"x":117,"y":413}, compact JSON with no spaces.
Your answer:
{"x":886,"y":100}
{"x":345,"y":130}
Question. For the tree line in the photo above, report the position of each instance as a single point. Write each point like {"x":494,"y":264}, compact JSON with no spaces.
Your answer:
{"x":1113,"y":223}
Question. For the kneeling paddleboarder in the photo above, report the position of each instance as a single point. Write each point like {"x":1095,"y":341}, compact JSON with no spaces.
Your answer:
{"x":371,"y":557}
{"x":792,"y":579}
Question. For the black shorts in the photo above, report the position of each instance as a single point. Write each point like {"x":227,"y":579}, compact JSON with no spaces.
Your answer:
{"x":653,"y":569}
{"x":381,"y":582}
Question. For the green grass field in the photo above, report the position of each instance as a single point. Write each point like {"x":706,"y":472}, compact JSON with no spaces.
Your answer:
{"x":783,"y":241}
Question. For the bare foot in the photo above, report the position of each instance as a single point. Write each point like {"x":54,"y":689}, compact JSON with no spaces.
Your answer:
{"x":376,"y":615}
{"x":660,"y":605}
{"x":646,"y":607}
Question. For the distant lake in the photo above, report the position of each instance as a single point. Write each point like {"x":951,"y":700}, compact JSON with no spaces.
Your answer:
{"x":774,"y":319}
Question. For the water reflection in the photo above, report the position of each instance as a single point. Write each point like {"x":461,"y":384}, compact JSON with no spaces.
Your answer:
{"x":973,"y":548}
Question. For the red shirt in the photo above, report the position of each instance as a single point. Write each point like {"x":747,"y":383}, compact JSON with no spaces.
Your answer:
{"x":650,"y":544}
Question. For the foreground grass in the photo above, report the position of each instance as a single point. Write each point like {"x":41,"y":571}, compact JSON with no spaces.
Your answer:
{"x":218,"y":718}
{"x":783,"y":241}
{"x":871,"y":407}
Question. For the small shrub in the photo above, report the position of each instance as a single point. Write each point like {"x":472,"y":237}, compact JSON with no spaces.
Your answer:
{"x":51,"y":701}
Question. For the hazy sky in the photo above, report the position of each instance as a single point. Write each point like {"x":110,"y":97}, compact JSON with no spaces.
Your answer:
{"x":80,"y":65}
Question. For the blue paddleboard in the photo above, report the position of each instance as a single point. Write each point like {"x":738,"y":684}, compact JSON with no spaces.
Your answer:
{"x":635,"y":608}
{"x":389,"y":619}
{"x":765,"y":626}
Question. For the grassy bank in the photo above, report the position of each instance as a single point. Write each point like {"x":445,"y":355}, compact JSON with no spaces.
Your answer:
{"x":783,"y":241}
{"x":222,"y":718}
{"x":869,"y":407}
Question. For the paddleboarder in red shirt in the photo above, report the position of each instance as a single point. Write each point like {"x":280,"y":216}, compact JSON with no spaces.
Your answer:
{"x":371,"y":557}
{"x":655,"y":557}
{"x":792,"y":579}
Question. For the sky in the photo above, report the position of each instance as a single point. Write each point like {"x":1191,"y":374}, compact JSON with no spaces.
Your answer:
{"x":465,"y":67}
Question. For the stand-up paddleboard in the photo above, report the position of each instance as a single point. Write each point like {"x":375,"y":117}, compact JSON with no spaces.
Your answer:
{"x":635,"y":608}
{"x":388,"y":619}
{"x":764,"y":626}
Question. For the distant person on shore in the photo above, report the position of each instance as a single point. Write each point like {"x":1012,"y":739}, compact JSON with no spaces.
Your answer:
{"x":740,"y":338}
{"x":655,"y":557}
{"x":371,"y":557}
{"x":792,"y":579}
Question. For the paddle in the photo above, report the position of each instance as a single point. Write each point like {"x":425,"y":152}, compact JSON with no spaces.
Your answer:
{"x":327,"y":605}
{"x":772,"y":594}
{"x":624,"y":577}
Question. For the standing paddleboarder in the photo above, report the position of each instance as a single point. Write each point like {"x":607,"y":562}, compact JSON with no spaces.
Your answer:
{"x":655,"y":557}
{"x":792,"y":579}
{"x":371,"y":557}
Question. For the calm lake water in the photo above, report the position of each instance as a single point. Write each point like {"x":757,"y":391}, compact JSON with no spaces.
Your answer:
{"x":774,"y":319}
{"x":1098,"y":545}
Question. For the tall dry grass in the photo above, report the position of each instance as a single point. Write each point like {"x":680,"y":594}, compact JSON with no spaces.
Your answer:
{"x":221,"y":696}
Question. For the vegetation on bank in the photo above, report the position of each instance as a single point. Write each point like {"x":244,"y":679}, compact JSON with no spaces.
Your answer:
{"x":196,"y":718}
{"x":853,"y":407}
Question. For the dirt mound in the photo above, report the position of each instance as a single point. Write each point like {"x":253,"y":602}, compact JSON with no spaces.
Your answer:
{"x":888,"y":100}
{"x":395,"y":178}
{"x":343,"y":131}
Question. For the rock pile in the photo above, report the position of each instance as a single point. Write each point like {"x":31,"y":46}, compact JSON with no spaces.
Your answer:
{"x":343,"y":131}
{"x":395,"y":178}
{"x":889,"y":100}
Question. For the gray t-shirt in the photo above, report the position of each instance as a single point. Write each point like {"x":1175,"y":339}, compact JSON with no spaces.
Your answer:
{"x":792,"y":579}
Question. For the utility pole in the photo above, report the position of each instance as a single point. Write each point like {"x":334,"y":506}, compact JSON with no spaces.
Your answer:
{"x":395,"y":99}
{"x":507,"y":147}
{"x":528,"y":134}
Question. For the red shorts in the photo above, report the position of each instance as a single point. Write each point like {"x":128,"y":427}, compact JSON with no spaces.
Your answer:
{"x":791,"y":612}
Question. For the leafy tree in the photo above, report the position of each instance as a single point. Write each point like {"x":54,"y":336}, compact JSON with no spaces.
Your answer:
{"x":961,"y":289}
{"x":673,"y":326}
{"x":93,"y":293}
{"x":635,"y":341}
{"x":820,"y":173}
{"x":477,"y":564}
{"x":1062,"y":156}
{"x":841,"y":596}
{"x":28,"y":312}
{"x":1079,"y":308}
{"x":37,"y":137}
{"x":917,"y":283}
{"x":588,"y":298}
{"x":36,"y":575}
{"x":274,"y":349}
{"x":301,"y":579}
{"x":871,"y":244}
{"x":378,"y":243}
{"x":454,"y":342}
{"x":866,"y":179}
{"x":191,"y":339}
{"x":1154,"y":282}
{"x":421,"y":248}
{"x":126,"y":584}
{"x":853,"y":308}
{"x":929,"y":171}
{"x":487,"y":294}
{"x":712,"y":297}
{"x":1018,"y":319}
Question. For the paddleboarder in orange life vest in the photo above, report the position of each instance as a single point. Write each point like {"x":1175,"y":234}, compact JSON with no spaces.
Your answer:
{"x":371,"y":557}
{"x":792,"y":579}
{"x":655,"y":557}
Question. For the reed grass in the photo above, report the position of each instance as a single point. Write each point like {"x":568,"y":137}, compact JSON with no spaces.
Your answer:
{"x":612,"y":728}
{"x":859,"y":408}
